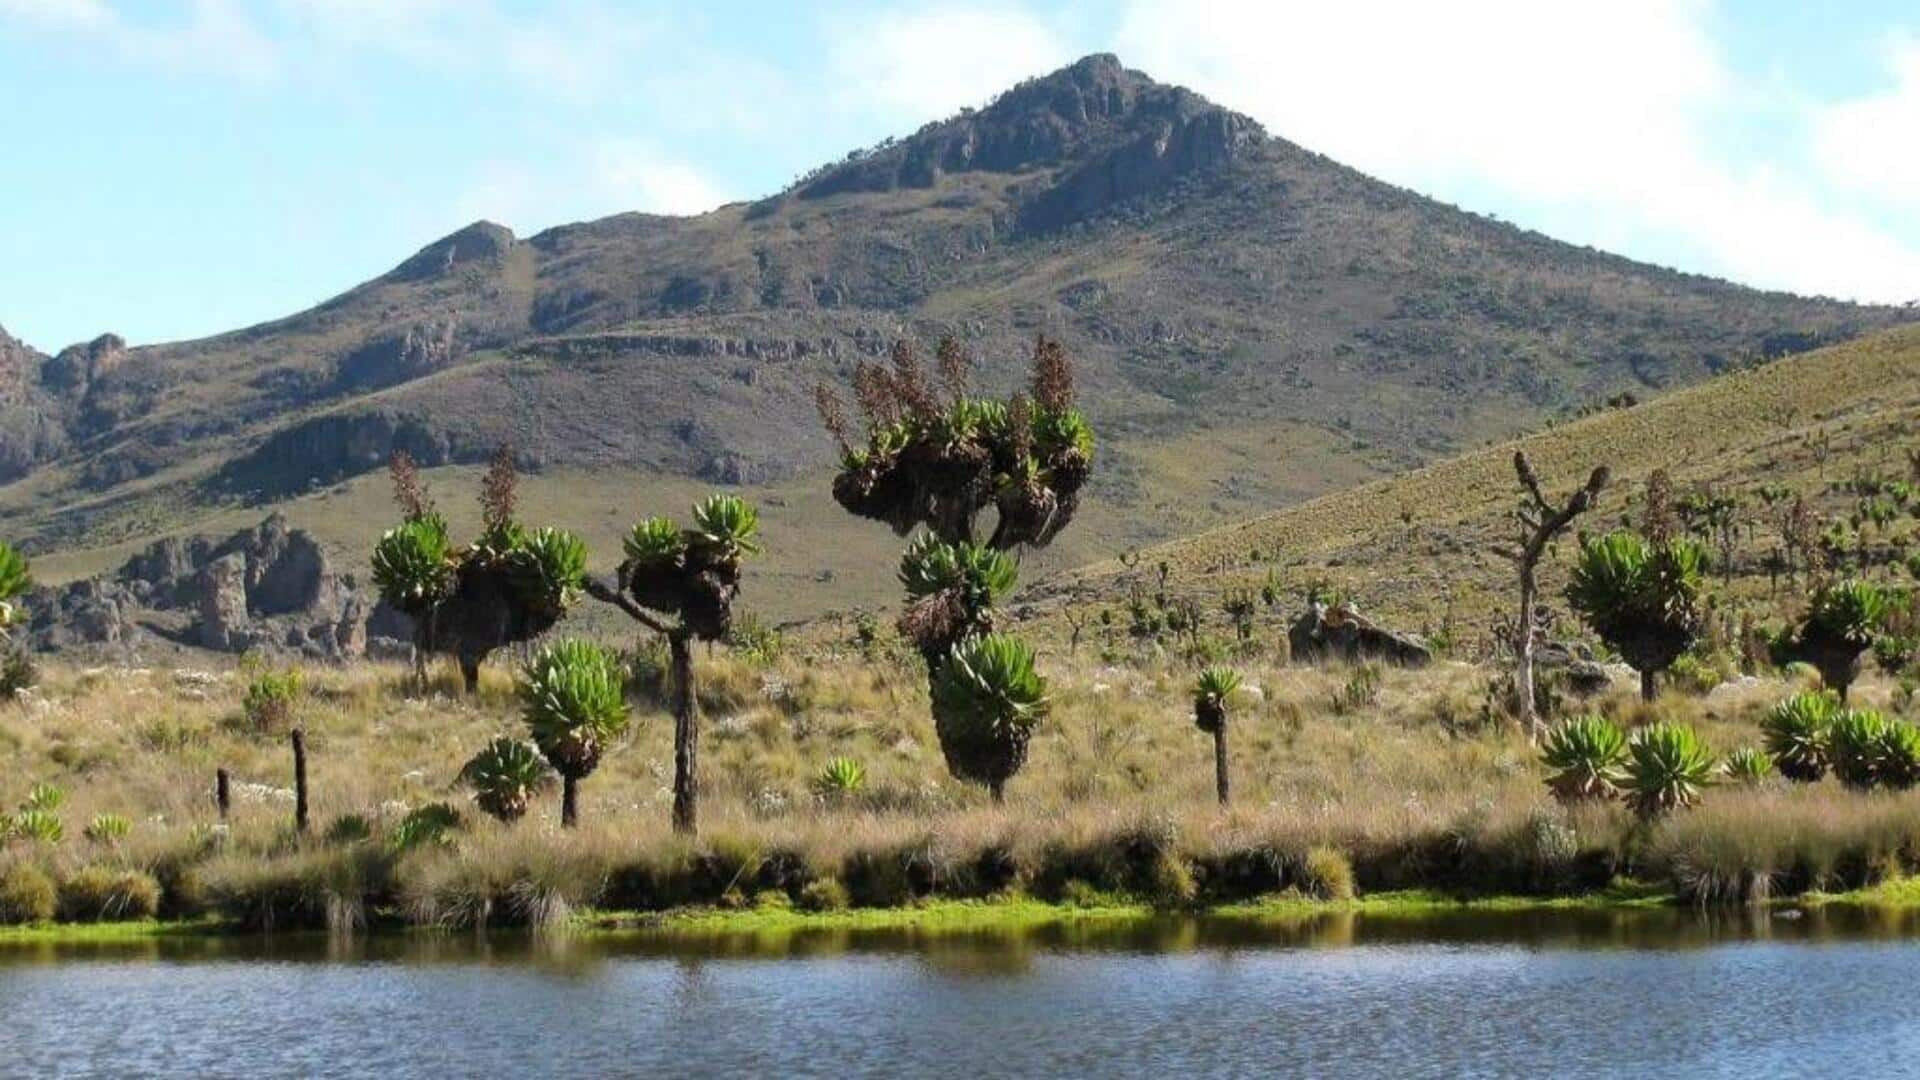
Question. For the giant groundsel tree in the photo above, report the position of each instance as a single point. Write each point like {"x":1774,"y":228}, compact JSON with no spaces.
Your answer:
{"x":934,"y":457}
{"x":1642,"y":597}
{"x":681,"y":583}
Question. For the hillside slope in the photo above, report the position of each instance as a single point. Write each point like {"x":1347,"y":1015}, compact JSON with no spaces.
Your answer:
{"x":1417,"y":549}
{"x":1254,"y":324}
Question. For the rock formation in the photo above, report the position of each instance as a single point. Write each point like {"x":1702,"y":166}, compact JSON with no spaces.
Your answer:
{"x":1340,"y":632}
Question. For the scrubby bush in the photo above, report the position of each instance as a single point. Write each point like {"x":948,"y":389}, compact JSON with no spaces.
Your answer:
{"x":1798,"y":733}
{"x":1667,"y":768}
{"x":270,"y":698}
{"x":27,"y":894}
{"x":18,"y":673}
{"x":1327,"y":873}
{"x":108,"y":828}
{"x":1585,"y":755}
{"x":1641,"y":597}
{"x":433,"y":823}
{"x":102,"y":894}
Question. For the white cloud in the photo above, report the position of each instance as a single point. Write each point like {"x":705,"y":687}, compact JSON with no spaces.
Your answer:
{"x":928,"y":63}
{"x":611,"y":176}
{"x":1868,"y":144}
{"x":1604,"y":109}
{"x":212,"y":36}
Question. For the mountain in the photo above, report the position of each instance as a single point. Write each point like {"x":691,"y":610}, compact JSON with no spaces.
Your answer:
{"x":1253,"y":324}
{"x":1836,"y":427}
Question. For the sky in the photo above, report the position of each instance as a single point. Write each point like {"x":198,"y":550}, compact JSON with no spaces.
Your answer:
{"x":169,"y":170}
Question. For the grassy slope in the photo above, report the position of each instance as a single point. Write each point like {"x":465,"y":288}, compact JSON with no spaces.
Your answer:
{"x":1412,"y":546}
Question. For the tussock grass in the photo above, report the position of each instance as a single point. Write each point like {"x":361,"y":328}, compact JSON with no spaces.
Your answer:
{"x":1116,"y":801}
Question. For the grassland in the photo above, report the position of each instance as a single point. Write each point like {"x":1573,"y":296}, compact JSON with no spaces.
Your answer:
{"x":1415,"y":787}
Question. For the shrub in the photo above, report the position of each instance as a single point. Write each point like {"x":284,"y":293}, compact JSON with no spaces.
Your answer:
{"x":270,"y":699}
{"x":18,"y":673}
{"x":506,"y":775}
{"x":108,"y":828}
{"x":1667,"y":768}
{"x":1839,"y":627}
{"x":823,"y":894}
{"x":1798,"y":733}
{"x":348,"y":829}
{"x":1585,"y":755}
{"x":987,"y":698}
{"x":26,"y":895}
{"x":99,"y":894}
{"x":1748,"y":766}
{"x":1641,"y":597}
{"x":1361,"y":691}
{"x":1859,"y":741}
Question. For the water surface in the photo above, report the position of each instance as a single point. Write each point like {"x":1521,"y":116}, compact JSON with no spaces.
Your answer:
{"x":1492,"y":994}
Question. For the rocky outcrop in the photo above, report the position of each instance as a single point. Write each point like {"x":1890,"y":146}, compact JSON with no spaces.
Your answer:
{"x":269,"y":588}
{"x":1124,"y":134}
{"x":337,"y":445}
{"x":1579,"y":671}
{"x":1340,"y":632}
{"x":390,"y":359}
{"x":482,"y":241}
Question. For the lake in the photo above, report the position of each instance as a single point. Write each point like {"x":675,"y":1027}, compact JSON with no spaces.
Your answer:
{"x":1624,"y":993}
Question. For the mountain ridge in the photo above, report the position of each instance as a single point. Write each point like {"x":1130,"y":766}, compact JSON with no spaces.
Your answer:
{"x":1254,"y":323}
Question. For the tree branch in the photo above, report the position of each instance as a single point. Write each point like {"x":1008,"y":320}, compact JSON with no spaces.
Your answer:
{"x":610,"y":593}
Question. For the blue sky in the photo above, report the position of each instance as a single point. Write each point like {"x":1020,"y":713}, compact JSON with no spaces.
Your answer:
{"x":174,"y":169}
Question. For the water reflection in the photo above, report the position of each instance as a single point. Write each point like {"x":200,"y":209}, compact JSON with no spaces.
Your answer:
{"x":1009,"y":950}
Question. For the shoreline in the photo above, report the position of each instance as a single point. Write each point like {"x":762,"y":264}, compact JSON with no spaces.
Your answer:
{"x":991,"y":915}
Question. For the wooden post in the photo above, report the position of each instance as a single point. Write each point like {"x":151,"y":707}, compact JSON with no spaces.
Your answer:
{"x":223,"y":792}
{"x":299,"y":781}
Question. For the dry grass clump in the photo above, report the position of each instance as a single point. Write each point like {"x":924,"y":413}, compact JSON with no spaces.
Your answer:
{"x":1748,"y":845}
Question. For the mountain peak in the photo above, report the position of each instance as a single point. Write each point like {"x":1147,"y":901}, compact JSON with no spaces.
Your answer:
{"x":1094,"y":113}
{"x":480,"y":240}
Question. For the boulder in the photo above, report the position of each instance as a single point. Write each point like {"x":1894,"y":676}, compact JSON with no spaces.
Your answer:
{"x":1340,"y":632}
{"x":1579,"y":671}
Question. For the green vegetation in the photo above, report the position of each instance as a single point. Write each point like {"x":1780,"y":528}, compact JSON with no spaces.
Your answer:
{"x":271,"y":698}
{"x":573,"y":696}
{"x":1585,"y":755}
{"x":509,"y":586}
{"x":1842,"y":620}
{"x":1799,"y":732}
{"x":1641,"y":597}
{"x":987,"y":697}
{"x":506,"y":776}
{"x":1211,"y":689}
{"x":1667,"y":768}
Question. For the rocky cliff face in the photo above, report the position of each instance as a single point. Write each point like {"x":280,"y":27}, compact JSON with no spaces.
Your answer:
{"x":269,"y":588}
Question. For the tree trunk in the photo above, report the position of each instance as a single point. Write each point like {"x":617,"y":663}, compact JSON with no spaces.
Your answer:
{"x":1523,"y":645}
{"x":686,"y":736}
{"x":470,"y":673}
{"x":998,"y":789}
{"x":223,"y":792}
{"x":299,"y":739}
{"x":1220,"y":762}
{"x":569,"y":801}
{"x":1647,"y":688}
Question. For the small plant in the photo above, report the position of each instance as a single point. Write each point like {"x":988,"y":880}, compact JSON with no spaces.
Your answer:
{"x":1362,"y":690}
{"x":573,"y":698}
{"x":987,"y":698}
{"x":18,"y":673}
{"x":1798,"y":733}
{"x":841,"y":778}
{"x":270,"y":699}
{"x":1749,"y":766}
{"x":506,"y":775}
{"x":1585,"y":755}
{"x":37,"y":826}
{"x":108,"y":828}
{"x":348,"y":829}
{"x":433,"y":823}
{"x":1667,"y":768}
{"x":44,"y":796}
{"x":1859,"y":743}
